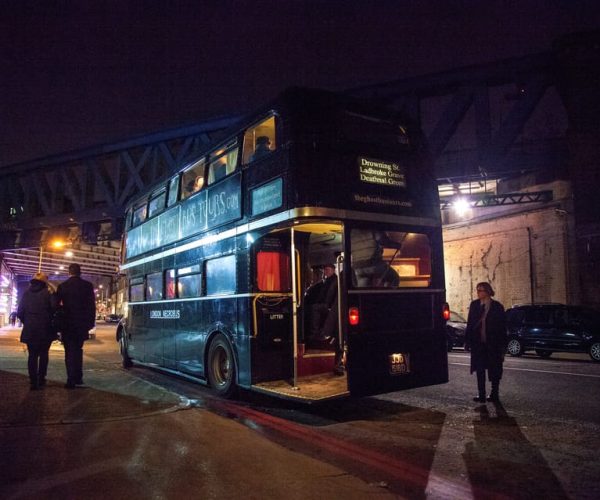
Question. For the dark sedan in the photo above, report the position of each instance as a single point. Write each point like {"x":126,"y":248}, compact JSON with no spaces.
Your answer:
{"x":113,"y":318}
{"x":548,"y":328}
{"x":455,"y":331}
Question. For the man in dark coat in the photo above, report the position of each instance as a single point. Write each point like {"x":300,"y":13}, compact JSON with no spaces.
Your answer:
{"x":77,"y":298}
{"x":322,"y":307}
{"x":35,"y":311}
{"x":486,"y":335}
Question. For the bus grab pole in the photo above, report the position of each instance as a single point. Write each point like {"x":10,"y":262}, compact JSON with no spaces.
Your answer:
{"x":338,"y":262}
{"x":294,"y":311}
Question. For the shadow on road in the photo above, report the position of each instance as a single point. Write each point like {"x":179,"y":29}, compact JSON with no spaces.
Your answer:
{"x":20,"y":407}
{"x":381,"y":441}
{"x":502,"y":463}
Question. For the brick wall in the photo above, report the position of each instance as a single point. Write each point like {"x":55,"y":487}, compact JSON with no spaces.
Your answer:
{"x":509,"y":251}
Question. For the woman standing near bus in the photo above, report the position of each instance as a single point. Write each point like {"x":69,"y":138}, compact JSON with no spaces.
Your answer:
{"x":486,"y":335}
{"x":35,"y":312}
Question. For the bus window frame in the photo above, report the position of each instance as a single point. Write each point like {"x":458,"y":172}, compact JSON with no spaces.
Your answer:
{"x":216,"y":155}
{"x":192,"y":271}
{"x":274,"y":141}
{"x":137,"y":281}
{"x":288,"y":279}
{"x":208,"y":281}
{"x":154,"y":196}
{"x":184,"y":192}
{"x":147,"y":287}
{"x":128,"y":219}
{"x":137,"y":207}
{"x":385,"y":228}
{"x":166,"y":279}
{"x":173,"y":180}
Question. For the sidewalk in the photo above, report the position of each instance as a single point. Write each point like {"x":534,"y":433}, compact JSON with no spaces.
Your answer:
{"x":123,"y":437}
{"x":107,"y":393}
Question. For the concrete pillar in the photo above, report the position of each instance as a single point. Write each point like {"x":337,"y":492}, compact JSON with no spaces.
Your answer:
{"x":578,"y":73}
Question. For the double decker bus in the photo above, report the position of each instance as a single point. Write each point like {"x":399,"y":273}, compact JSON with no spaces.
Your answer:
{"x":219,"y":258}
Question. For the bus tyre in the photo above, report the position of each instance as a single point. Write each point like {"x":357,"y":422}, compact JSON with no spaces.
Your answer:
{"x":221,"y":367}
{"x":515,"y":348}
{"x":125,"y":359}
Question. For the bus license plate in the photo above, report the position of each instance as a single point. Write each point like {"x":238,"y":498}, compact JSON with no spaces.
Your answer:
{"x":399,"y":363}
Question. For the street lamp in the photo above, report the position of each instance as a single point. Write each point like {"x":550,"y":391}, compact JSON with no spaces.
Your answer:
{"x":54,"y":244}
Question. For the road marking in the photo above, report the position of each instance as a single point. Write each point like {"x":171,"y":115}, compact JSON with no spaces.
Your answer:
{"x":538,"y":371}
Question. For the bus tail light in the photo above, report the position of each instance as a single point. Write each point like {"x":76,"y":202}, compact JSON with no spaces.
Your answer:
{"x":446,"y":312}
{"x":353,"y":316}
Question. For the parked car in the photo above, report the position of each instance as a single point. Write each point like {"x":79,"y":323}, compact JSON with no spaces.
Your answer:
{"x":455,"y":331}
{"x":548,"y":328}
{"x":113,"y":318}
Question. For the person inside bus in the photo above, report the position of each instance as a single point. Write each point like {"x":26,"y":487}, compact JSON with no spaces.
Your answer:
{"x":198,"y":184}
{"x":194,"y":185}
{"x":218,"y":170}
{"x":322,"y":313}
{"x":314,"y":288}
{"x":263,"y":147}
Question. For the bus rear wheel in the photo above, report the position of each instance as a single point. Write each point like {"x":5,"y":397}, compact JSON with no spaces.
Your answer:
{"x":221,"y":367}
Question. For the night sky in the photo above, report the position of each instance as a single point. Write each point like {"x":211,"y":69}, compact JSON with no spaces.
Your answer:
{"x":99,"y":72}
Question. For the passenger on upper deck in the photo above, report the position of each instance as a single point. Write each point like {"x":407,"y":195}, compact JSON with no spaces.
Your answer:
{"x":263,"y":147}
{"x":198,"y":184}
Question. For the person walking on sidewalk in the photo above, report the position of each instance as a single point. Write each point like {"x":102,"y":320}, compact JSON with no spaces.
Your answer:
{"x":76,"y":296}
{"x":486,"y":335}
{"x":35,"y":312}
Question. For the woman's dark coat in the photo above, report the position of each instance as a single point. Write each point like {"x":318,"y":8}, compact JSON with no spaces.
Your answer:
{"x":490,"y":355}
{"x":35,"y":312}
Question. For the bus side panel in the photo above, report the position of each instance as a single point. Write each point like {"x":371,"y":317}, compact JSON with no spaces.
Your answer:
{"x":153,"y":334}
{"x":272,"y":346}
{"x":190,"y":338}
{"x":136,"y":332}
{"x":242,"y":342}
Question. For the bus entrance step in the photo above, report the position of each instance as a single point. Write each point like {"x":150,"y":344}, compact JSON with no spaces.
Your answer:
{"x":314,"y":388}
{"x":315,"y":361}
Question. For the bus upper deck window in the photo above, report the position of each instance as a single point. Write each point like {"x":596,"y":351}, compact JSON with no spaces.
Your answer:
{"x":139,"y":215}
{"x":173,"y":191}
{"x":222,"y":162}
{"x":157,"y":203}
{"x":259,"y":140}
{"x":192,"y":179}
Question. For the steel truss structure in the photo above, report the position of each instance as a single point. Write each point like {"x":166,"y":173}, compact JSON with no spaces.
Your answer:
{"x":90,"y":187}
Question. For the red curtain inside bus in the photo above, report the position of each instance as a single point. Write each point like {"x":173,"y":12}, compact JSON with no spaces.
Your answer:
{"x":273,"y":271}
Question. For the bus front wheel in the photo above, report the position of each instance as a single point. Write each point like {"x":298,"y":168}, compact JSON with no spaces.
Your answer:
{"x":125,"y":359}
{"x":221,"y":367}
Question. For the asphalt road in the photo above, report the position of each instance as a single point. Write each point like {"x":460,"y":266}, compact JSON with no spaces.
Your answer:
{"x":144,"y":434}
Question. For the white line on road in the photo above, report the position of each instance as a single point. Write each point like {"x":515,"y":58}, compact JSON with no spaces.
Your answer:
{"x":538,"y":371}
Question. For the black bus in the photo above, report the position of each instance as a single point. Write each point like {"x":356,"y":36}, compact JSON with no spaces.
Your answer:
{"x":224,"y":260}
